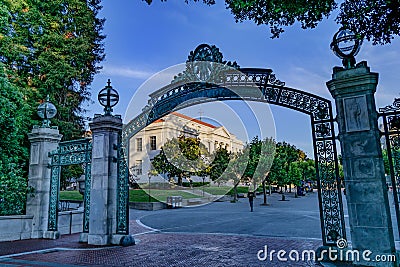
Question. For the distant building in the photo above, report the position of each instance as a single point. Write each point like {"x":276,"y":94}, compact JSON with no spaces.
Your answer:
{"x":146,"y":144}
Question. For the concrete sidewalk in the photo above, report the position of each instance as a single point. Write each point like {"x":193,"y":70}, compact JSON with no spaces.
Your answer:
{"x":154,"y":249}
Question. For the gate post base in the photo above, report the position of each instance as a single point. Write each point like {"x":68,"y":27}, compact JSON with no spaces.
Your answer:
{"x":83,"y":238}
{"x":123,"y":240}
{"x":51,"y":234}
{"x":99,"y":240}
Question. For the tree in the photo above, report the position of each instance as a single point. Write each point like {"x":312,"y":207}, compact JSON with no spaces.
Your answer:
{"x":52,"y":48}
{"x":219,"y":164}
{"x":376,"y":20}
{"x":260,"y":160}
{"x":181,"y":157}
{"x":13,"y":182}
{"x":235,"y":170}
{"x":46,"y":48}
{"x":280,"y":170}
{"x":68,"y":173}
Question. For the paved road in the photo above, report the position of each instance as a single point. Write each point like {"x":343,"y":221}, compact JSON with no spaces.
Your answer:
{"x":297,"y":217}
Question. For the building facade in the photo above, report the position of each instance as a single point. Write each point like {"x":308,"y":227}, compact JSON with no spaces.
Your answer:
{"x":147,"y":143}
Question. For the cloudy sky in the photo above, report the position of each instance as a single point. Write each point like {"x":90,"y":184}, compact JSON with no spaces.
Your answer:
{"x":143,"y":40}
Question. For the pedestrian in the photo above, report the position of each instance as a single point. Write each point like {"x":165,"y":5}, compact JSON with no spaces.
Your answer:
{"x":251,"y":197}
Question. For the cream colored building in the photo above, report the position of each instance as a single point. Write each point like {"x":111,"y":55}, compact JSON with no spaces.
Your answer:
{"x":146,"y":144}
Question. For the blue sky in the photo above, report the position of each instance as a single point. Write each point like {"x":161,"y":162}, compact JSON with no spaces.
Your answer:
{"x":143,"y":40}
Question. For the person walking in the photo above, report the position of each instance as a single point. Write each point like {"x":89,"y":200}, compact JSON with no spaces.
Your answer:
{"x":251,"y":195}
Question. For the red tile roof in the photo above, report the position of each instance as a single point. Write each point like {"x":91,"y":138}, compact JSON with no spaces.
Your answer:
{"x":190,"y":119}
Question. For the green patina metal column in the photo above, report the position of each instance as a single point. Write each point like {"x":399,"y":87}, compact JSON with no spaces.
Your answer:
{"x":108,"y":218}
{"x":44,"y":139}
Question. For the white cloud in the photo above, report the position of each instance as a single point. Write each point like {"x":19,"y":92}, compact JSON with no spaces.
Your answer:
{"x":126,"y":72}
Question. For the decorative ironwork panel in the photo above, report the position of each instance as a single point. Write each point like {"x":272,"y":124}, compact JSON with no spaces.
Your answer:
{"x":329,"y":192}
{"x":88,"y":182}
{"x":122,"y":192}
{"x":54,"y":196}
{"x":69,"y":153}
{"x":391,"y":132}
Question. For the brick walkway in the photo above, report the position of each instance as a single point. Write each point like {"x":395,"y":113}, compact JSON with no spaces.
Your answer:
{"x":153,"y":249}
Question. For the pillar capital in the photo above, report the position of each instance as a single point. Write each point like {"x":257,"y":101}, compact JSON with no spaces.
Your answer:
{"x":39,"y":134}
{"x":350,"y":82}
{"x":106,"y":123}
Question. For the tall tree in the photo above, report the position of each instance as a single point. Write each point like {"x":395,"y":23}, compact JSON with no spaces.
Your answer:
{"x":234,"y":172}
{"x":284,"y":156}
{"x":219,"y":164}
{"x":13,"y":182}
{"x":181,"y":157}
{"x":50,"y":48}
{"x":376,"y":20}
{"x":53,"y":47}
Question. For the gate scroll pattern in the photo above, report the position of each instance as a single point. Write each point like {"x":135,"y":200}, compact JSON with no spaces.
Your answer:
{"x":391,"y":133}
{"x":69,"y":153}
{"x":235,"y":83}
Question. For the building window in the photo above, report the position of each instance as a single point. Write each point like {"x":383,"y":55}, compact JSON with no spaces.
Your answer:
{"x":139,"y":146}
{"x":153,"y":143}
{"x":139,"y":167}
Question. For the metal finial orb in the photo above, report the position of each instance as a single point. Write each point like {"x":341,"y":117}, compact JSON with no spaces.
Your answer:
{"x":108,"y":98}
{"x":346,"y":45}
{"x":46,"y":111}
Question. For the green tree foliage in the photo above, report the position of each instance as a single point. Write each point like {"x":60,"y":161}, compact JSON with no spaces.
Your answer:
{"x":284,"y":156}
{"x":386,"y":161}
{"x":52,"y":47}
{"x":261,"y":157}
{"x":181,"y":157}
{"x":68,"y":173}
{"x":377,"y":20}
{"x":46,"y":48}
{"x":235,"y":170}
{"x":307,"y":170}
{"x":219,"y":164}
{"x":13,"y":183}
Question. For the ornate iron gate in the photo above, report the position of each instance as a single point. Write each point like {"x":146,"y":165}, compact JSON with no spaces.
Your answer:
{"x":69,"y":153}
{"x":391,"y":133}
{"x":227,"y":81}
{"x":122,"y":190}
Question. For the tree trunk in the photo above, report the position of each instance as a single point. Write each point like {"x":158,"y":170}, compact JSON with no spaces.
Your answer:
{"x":180,"y":180}
{"x":264,"y":192}
{"x":290,"y":188}
{"x":235,"y":193}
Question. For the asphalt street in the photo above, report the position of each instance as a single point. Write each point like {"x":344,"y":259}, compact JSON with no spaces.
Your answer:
{"x":296,"y":217}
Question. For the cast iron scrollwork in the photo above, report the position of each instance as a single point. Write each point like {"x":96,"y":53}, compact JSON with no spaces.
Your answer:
{"x":69,"y":153}
{"x":181,"y":93}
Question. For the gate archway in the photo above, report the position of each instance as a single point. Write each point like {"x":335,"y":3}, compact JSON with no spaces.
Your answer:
{"x":237,"y":85}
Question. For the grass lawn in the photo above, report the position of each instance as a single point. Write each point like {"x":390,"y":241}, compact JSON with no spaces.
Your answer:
{"x":140,"y":195}
{"x":215,"y":190}
{"x":71,"y":195}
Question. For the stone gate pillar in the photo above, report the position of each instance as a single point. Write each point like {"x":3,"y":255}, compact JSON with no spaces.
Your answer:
{"x":366,"y":193}
{"x":103,"y":190}
{"x":43,"y":140}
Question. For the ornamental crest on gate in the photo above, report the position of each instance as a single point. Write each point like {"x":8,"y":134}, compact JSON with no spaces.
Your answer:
{"x":205,"y":64}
